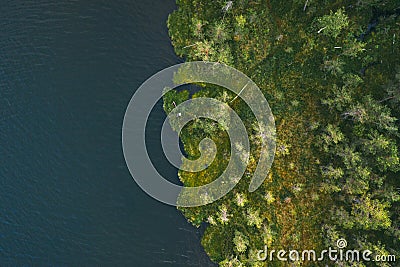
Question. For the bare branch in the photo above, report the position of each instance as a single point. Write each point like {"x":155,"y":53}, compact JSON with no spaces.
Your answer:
{"x":305,"y":5}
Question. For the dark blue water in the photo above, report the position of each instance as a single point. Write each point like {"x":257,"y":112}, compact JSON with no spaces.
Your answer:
{"x":67,"y":72}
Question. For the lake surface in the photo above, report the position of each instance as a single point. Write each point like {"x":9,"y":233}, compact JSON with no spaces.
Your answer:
{"x":67,"y":72}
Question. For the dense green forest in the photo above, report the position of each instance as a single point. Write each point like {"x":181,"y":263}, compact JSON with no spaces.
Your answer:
{"x":330,"y":70}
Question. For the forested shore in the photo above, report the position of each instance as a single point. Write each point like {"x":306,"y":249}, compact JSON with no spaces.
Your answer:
{"x":330,"y":71}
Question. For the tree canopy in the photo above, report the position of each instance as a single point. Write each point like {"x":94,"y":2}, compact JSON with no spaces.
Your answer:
{"x":331,"y":73}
